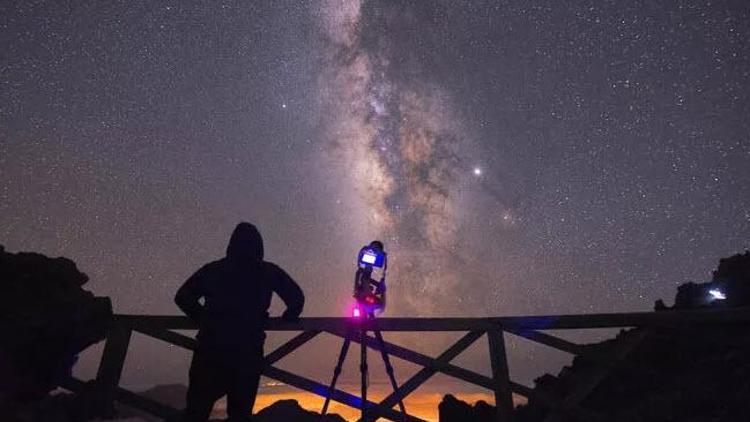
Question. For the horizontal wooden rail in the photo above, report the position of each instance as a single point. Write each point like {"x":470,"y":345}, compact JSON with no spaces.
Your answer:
{"x":669,"y":319}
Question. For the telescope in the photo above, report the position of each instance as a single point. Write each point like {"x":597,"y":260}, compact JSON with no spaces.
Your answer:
{"x":369,"y":293}
{"x":369,"y":296}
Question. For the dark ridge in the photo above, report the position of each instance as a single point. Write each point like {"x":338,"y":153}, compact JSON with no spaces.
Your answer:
{"x":46,"y":320}
{"x":173,"y":395}
{"x":691,"y":374}
{"x":290,"y":410}
{"x":453,"y":409}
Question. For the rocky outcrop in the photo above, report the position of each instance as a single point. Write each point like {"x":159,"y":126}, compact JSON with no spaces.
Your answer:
{"x":700,"y":374}
{"x":452,"y":409}
{"x":46,"y":319}
{"x":290,"y":410}
{"x":692,"y":374}
{"x":729,"y":286}
{"x":173,"y":395}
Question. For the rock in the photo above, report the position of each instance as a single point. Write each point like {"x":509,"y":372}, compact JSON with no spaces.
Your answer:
{"x":483,"y":411}
{"x":46,"y":319}
{"x":691,"y":374}
{"x":290,"y":410}
{"x":731,"y":278}
{"x":452,"y":409}
{"x":172,"y":395}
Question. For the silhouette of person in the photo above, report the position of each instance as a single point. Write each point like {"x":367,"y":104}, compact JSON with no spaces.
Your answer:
{"x":236,"y":292}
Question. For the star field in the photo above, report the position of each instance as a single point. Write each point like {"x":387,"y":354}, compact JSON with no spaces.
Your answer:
{"x":517,"y":157}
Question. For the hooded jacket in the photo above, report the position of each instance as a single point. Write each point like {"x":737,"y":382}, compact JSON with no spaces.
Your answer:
{"x":236,"y":292}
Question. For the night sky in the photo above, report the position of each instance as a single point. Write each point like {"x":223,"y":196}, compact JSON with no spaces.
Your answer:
{"x":515,"y":158}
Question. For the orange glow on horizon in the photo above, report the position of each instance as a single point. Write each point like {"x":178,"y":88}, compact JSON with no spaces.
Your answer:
{"x":423,"y":405}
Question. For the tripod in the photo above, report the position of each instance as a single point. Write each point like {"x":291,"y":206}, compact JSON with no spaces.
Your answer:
{"x":363,"y":338}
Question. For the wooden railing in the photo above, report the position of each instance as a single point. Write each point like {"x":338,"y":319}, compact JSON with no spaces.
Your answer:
{"x":530,"y":327}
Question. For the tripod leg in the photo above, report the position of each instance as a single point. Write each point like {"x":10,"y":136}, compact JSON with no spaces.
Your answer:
{"x":336,"y":372}
{"x":389,"y":369}
{"x":363,"y":371}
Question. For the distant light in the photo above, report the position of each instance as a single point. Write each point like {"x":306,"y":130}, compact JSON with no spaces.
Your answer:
{"x":356,"y":313}
{"x":717,"y":294}
{"x":477,"y":171}
{"x":283,"y":105}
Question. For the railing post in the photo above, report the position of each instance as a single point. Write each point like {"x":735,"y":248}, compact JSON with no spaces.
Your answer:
{"x":500,"y":376}
{"x":110,"y":368}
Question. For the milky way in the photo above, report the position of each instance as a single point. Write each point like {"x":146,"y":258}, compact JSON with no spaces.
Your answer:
{"x":403,"y":145}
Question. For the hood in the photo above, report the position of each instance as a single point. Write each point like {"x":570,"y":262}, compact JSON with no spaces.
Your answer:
{"x":245,"y":243}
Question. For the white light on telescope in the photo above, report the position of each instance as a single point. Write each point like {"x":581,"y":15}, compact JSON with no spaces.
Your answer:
{"x":369,"y":258}
{"x":717,"y":294}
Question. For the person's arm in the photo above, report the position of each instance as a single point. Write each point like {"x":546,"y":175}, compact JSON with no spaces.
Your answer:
{"x":289,"y":292}
{"x":188,"y":296}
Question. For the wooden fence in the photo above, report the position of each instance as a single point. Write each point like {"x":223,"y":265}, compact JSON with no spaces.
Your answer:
{"x":530,"y":327}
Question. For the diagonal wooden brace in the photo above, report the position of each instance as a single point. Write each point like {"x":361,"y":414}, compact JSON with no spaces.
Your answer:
{"x":500,"y":376}
{"x":110,"y":367}
{"x":342,"y":397}
{"x":424,"y":374}
{"x":427,"y":361}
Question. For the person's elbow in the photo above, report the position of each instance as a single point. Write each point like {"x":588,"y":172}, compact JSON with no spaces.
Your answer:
{"x":189,"y":305}
{"x":294,"y":310}
{"x":300,"y":303}
{"x":182,"y":301}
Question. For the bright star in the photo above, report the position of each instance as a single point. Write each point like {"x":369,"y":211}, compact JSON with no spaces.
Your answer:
{"x":477,"y":171}
{"x":283,"y":105}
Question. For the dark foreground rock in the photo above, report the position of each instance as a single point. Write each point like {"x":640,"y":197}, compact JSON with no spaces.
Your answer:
{"x":452,"y":409}
{"x":46,"y":319}
{"x":692,"y":374}
{"x":290,"y":410}
{"x":173,"y":395}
